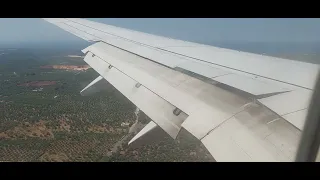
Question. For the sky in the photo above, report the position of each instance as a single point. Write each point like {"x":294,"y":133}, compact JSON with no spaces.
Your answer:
{"x":206,"y":30}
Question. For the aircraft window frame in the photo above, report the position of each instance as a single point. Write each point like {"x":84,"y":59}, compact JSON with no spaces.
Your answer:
{"x":308,"y":149}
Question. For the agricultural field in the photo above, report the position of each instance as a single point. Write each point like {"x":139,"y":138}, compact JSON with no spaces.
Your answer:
{"x":43,"y":117}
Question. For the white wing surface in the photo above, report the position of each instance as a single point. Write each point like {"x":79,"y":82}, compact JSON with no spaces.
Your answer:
{"x":241,"y":106}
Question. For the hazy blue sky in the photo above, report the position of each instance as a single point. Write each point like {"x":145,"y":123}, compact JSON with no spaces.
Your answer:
{"x":199,"y":30}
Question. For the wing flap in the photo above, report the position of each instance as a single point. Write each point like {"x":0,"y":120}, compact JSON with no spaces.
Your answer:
{"x":253,"y":85}
{"x":288,"y":104}
{"x":249,"y":85}
{"x":137,"y":70}
{"x":159,"y":110}
{"x":297,"y":118}
{"x":287,"y":71}
{"x":254,"y":134}
{"x":210,"y":119}
{"x":192,"y":96}
{"x":203,"y":69}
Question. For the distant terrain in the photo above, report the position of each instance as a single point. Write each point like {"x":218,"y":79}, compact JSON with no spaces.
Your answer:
{"x":43,"y":117}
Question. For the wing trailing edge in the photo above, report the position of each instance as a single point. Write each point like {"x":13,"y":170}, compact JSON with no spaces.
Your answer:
{"x":158,"y":109}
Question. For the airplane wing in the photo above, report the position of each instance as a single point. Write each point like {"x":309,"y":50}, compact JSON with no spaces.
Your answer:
{"x":241,"y":106}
